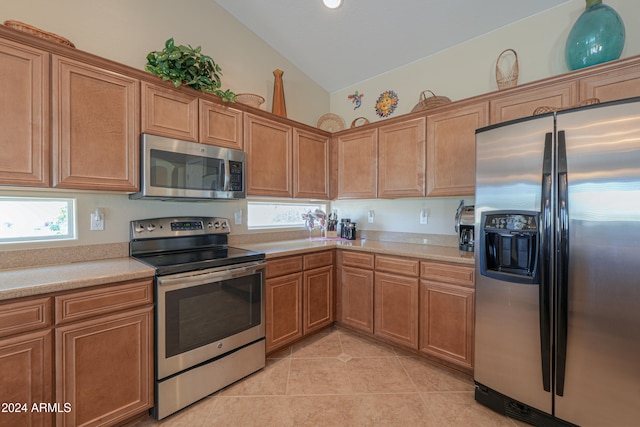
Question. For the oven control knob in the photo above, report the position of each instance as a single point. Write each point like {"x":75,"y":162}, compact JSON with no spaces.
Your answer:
{"x":225,"y":225}
{"x":151,"y":227}
{"x":219,"y":345}
{"x":216,"y":225}
{"x":209,"y":225}
{"x":139,"y":228}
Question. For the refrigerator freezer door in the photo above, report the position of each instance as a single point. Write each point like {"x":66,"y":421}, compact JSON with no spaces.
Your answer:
{"x":509,"y":164}
{"x":602,"y":378}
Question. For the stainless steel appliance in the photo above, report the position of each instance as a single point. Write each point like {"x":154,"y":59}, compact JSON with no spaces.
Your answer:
{"x":465,"y":224}
{"x":171,"y":169}
{"x":210,"y":324}
{"x":557,"y":272}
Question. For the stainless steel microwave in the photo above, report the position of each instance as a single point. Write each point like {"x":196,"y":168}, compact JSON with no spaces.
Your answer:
{"x":172,"y":169}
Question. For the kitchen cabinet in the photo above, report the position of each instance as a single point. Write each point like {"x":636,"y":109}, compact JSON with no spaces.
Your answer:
{"x":268,"y":144}
{"x":95,"y":127}
{"x":610,"y":85}
{"x":299,"y":297}
{"x":220,"y":125}
{"x":25,"y":136}
{"x":401,"y":159}
{"x":310,"y":165}
{"x":451,"y":141}
{"x":396,"y":300}
{"x":26,"y":361}
{"x":357,"y":154}
{"x":356,"y":288}
{"x":522,"y":103}
{"x":104,"y":353}
{"x":447,"y":313}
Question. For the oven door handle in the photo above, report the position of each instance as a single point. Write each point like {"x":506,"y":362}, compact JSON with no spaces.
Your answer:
{"x":195,"y":279}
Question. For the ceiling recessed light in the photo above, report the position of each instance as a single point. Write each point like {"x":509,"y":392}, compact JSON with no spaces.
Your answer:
{"x":332,"y":4}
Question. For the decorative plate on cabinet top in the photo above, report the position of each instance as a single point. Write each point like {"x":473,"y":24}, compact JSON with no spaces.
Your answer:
{"x":330,"y":122}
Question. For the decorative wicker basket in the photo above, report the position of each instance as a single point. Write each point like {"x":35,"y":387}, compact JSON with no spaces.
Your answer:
{"x":544,"y":110}
{"x":250,"y":99}
{"x":359,"y":121}
{"x":330,"y":122}
{"x":511,"y":78}
{"x":431,"y":102}
{"x":35,"y":31}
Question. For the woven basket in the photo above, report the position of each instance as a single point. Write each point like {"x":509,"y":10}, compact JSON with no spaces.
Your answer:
{"x":250,"y":99}
{"x":511,"y":78}
{"x":359,"y":121}
{"x":544,"y":110}
{"x":35,"y":31}
{"x":431,"y":102}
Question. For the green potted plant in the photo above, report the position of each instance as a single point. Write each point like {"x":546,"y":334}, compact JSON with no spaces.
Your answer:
{"x":186,"y":65}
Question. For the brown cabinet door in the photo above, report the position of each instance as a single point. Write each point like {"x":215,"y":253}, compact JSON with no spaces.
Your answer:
{"x":446,"y":323}
{"x":269,"y":157}
{"x":24,"y":122}
{"x":284,"y":310}
{"x":401,"y":159}
{"x":451,"y":149}
{"x":612,"y":85}
{"x":318,"y":304}
{"x":310,"y":165}
{"x":170,"y":113}
{"x":356,"y":302}
{"x":220,"y":125}
{"x":522,"y":104}
{"x":96,"y":127}
{"x":26,"y":379}
{"x":396,"y":308}
{"x":358,"y":164}
{"x":104,"y":368}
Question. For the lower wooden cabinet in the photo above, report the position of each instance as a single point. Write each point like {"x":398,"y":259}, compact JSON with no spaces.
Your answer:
{"x":356,"y":290}
{"x":299,"y":297}
{"x":26,"y":379}
{"x":396,"y":308}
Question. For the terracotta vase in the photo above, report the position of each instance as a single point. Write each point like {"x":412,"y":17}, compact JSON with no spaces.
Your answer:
{"x":278,"y":107}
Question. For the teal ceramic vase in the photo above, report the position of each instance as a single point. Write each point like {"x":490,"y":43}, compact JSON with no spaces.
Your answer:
{"x":596,"y":37}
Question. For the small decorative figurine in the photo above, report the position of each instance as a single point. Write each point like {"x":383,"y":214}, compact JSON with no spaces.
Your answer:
{"x":356,"y":99}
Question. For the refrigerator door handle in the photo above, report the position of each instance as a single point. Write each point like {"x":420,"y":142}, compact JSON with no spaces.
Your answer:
{"x":546,"y":232}
{"x":562,"y":266}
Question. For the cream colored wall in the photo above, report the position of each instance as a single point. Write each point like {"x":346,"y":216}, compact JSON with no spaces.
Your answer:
{"x":469,"y":69}
{"x":126,"y":30}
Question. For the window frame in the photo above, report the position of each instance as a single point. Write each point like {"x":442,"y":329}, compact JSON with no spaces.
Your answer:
{"x":71,"y":234}
{"x":301,"y":226}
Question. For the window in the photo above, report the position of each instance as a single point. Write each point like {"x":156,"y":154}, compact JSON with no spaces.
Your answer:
{"x":28,"y":219}
{"x":279,"y":215}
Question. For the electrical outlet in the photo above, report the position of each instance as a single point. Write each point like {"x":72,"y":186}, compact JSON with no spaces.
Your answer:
{"x":370,"y":216}
{"x":237,"y":217}
{"x":424,"y":216}
{"x":97,"y":220}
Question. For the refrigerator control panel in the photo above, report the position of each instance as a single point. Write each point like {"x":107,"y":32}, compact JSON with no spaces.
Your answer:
{"x":509,"y":246}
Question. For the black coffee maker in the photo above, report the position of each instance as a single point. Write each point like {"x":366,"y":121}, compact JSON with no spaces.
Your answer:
{"x":465,"y":219}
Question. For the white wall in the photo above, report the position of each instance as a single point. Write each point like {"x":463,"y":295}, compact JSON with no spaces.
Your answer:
{"x":127,"y":30}
{"x":468,"y":69}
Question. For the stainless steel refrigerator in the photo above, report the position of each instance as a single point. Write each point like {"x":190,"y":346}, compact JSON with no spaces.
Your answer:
{"x":557,"y":225}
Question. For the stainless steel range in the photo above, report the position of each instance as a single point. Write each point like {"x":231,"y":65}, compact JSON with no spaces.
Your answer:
{"x":210,"y":324}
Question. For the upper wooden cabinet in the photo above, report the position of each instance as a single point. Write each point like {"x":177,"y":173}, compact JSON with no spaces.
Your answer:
{"x":95,"y":127}
{"x":451,"y":152}
{"x":522,"y":103}
{"x":611,"y":85}
{"x":358,"y":164}
{"x":310,"y":165}
{"x":176,"y":114}
{"x":24,"y":103}
{"x":169,"y":113}
{"x":401,"y":159}
{"x":269,"y":152}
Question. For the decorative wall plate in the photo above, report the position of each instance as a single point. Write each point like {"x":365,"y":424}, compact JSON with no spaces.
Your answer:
{"x":330,"y":122}
{"x":386,"y":103}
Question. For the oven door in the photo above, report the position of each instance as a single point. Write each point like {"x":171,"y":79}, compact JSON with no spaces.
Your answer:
{"x":202,"y":315}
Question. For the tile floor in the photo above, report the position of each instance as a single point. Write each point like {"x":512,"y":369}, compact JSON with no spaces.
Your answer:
{"x":336,"y":378}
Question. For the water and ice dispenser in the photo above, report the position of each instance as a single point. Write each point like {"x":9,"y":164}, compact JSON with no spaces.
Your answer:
{"x":509,"y":246}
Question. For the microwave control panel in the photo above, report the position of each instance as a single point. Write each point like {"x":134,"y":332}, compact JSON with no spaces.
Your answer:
{"x":236,"y":173}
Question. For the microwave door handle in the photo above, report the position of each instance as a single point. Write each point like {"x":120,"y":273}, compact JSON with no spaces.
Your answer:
{"x":227,"y":175}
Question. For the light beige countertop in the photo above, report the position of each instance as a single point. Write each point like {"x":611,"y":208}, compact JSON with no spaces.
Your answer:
{"x":413,"y":250}
{"x":22,"y":282}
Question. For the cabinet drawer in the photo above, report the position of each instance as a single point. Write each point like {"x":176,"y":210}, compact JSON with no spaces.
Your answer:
{"x":404,"y":266}
{"x":357,"y":259}
{"x":319,"y":259}
{"x":94,"y":302}
{"x":448,"y":273}
{"x":23,"y":316}
{"x":283,"y":266}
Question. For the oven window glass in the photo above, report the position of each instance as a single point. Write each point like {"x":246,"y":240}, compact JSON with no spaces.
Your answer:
{"x":204,"y":314}
{"x":186,"y":171}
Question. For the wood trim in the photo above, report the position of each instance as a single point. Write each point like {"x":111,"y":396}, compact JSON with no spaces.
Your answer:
{"x":23,"y":316}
